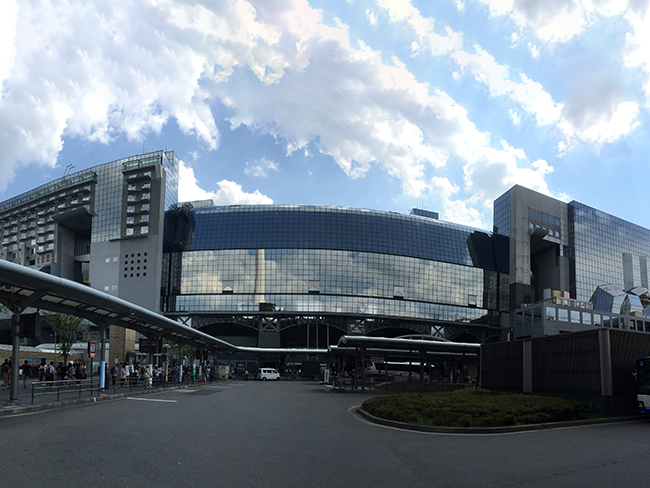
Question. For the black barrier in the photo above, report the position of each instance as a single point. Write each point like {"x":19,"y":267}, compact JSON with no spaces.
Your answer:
{"x":92,"y":386}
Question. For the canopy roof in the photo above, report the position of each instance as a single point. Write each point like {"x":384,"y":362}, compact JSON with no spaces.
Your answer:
{"x":24,"y":287}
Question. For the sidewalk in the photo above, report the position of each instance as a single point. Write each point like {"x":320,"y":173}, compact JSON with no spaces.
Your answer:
{"x":47,"y":401}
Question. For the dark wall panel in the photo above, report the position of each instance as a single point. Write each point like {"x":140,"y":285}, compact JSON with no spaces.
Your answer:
{"x":502,"y":366}
{"x":627,"y":347}
{"x":568,"y":364}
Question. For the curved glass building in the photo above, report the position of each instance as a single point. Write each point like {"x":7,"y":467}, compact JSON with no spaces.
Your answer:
{"x":262,"y":270}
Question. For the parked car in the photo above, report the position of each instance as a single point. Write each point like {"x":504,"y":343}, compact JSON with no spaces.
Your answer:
{"x":268,"y":374}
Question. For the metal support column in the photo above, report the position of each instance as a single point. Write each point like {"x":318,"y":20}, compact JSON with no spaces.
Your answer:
{"x":102,"y":357}
{"x":180,"y":361}
{"x":15,"y":355}
{"x":363,"y":369}
{"x":422,"y":369}
{"x":386,"y":370}
{"x":356,"y":365}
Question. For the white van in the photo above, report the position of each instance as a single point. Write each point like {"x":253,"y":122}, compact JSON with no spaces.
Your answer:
{"x":268,"y":374}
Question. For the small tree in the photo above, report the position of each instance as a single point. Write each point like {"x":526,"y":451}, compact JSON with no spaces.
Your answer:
{"x":189,"y":351}
{"x":66,"y":327}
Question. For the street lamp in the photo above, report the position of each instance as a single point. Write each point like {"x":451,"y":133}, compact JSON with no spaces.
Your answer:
{"x":56,"y":361}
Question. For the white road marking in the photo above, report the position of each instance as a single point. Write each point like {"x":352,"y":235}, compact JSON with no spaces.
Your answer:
{"x":152,"y":400}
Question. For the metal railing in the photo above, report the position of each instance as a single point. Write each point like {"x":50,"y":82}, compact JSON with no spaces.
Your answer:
{"x":58,"y":387}
{"x":91,"y":386}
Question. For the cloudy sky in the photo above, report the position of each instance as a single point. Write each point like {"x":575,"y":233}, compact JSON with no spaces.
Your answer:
{"x":386,"y":104}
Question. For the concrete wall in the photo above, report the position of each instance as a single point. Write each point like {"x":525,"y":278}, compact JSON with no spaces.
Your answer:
{"x":521,"y":201}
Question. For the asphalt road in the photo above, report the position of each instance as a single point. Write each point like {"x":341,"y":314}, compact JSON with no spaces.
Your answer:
{"x":296,"y":434}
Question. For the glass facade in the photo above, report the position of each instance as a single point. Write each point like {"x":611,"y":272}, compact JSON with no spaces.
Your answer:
{"x":335,"y":228}
{"x":605,"y":250}
{"x":107,"y":223}
{"x":502,"y":215}
{"x":170,"y":165}
{"x":333,"y":260}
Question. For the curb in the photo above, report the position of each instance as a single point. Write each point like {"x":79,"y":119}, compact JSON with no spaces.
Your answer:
{"x":19,"y":410}
{"x":490,"y":430}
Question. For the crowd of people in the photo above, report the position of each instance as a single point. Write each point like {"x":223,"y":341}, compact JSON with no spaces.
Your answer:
{"x":74,"y":371}
{"x":128,"y":374}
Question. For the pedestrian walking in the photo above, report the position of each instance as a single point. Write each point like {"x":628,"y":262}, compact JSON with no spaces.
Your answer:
{"x":49,"y":372}
{"x":42,"y":368}
{"x":26,"y":373}
{"x":6,"y":371}
{"x":124,"y":375}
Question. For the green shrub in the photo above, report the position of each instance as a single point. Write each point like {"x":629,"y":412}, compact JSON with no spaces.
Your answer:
{"x":474,"y":408}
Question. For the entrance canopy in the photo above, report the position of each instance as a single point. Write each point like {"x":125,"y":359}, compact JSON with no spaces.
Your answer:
{"x":22,"y":287}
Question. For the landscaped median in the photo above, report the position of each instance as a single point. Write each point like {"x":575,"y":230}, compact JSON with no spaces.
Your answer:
{"x":472,"y":409}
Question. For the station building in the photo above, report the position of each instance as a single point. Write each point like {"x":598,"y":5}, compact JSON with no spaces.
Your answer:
{"x":589,"y":267}
{"x":303,"y":275}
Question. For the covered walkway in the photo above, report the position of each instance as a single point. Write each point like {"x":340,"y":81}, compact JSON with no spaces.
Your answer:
{"x":22,"y":287}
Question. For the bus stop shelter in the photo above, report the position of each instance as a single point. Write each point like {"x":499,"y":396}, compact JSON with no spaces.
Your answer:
{"x":419,"y":350}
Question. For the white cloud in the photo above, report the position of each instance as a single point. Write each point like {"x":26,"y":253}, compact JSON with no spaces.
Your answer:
{"x":596,"y":110}
{"x":229,"y":192}
{"x":527,"y":93}
{"x":260,"y":168}
{"x":637,"y":53}
{"x":495,"y":172}
{"x":514,"y":115}
{"x":403,"y":11}
{"x":534,"y":50}
{"x":86,"y":69}
{"x":515,"y":38}
{"x":132,"y":78}
{"x":371,"y":16}
{"x":455,"y":210}
{"x":7,"y":37}
{"x":591,"y":115}
{"x":555,"y":21}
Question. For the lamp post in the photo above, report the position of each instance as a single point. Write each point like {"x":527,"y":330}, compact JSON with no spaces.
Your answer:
{"x":56,"y":361}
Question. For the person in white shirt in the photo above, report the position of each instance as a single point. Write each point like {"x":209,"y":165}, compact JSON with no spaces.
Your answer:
{"x":124,"y":375}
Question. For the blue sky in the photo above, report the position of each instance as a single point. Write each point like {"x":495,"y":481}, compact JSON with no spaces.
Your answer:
{"x":386,"y":104}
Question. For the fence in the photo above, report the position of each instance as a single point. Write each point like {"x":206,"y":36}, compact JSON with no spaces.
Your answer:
{"x":91,"y":386}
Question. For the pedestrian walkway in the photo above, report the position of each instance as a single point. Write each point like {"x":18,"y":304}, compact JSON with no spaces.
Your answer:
{"x":45,"y":399}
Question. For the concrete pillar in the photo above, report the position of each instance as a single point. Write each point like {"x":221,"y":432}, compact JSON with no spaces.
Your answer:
{"x":528,"y":366}
{"x":122,"y":341}
{"x":605,"y":351}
